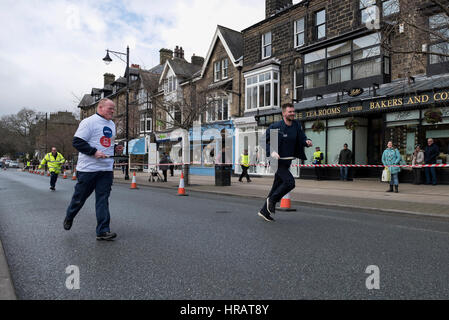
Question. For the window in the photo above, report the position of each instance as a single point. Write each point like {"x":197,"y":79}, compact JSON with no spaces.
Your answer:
{"x":217,"y":68}
{"x":298,"y":80}
{"x":350,"y":60}
{"x":219,"y":110}
{"x":145,"y":123}
{"x":366,"y":12}
{"x":262,"y":90}
{"x":320,"y":24}
{"x":299,"y":32}
{"x":266,"y":45}
{"x":390,"y":7}
{"x":439,"y":24}
{"x":225,"y":68}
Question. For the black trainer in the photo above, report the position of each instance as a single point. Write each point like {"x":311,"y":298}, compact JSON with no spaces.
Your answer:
{"x":106,"y":236}
{"x":67,"y":224}
{"x":52,"y":188}
{"x":265,"y":214}
{"x":270,"y":207}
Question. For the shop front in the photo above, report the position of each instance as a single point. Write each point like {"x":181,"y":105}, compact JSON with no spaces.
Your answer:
{"x":205,"y":148}
{"x":407,"y":114}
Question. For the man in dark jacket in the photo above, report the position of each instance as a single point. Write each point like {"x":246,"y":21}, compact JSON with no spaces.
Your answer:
{"x":430,"y":157}
{"x":289,"y":144}
{"x":164,"y":164}
{"x":345,"y":157}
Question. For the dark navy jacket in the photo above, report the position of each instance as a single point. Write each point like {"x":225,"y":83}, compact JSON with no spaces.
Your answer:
{"x":431,"y":153}
{"x":300,"y":140}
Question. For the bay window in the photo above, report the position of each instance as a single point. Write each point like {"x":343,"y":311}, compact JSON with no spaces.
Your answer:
{"x":351,"y":60}
{"x":219,"y":110}
{"x":262,"y":89}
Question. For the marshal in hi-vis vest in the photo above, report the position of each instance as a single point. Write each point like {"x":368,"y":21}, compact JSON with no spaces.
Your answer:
{"x":54,"y":164}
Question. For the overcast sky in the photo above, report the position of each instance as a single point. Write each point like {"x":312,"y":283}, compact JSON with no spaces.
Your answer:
{"x":51,"y":51}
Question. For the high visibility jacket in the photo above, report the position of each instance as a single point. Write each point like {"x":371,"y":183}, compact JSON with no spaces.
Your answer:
{"x":28,"y":163}
{"x":318,"y":156}
{"x":54,"y":164}
{"x":245,"y":160}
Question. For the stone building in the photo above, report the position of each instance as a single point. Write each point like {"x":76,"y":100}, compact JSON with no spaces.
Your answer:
{"x":359,"y":67}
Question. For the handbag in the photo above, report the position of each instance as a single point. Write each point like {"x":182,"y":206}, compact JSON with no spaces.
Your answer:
{"x":386,"y":175}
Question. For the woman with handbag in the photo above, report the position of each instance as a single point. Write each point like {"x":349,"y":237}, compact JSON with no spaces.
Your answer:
{"x":392,"y":157}
{"x":418,"y":159}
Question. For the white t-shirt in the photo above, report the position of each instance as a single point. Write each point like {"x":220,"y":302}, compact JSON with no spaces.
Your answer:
{"x":99,"y":133}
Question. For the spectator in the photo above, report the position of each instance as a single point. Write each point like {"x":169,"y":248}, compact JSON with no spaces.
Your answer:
{"x":430,"y":157}
{"x":318,"y":157}
{"x":163,"y":165}
{"x":391,"y":157}
{"x":418,"y":159}
{"x":345,"y":157}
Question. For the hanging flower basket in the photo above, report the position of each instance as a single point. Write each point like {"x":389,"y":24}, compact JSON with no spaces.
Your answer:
{"x":352,"y":124}
{"x":318,"y":126}
{"x":433,"y":116}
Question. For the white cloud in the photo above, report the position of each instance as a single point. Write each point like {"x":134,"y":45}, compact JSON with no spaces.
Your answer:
{"x":51,"y":49}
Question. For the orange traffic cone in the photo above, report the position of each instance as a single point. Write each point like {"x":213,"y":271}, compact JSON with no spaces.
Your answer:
{"x":181,"y":189}
{"x":133,"y":182}
{"x":286,"y":204}
{"x":74,"y":175}
{"x":65,"y":175}
{"x":48,"y":173}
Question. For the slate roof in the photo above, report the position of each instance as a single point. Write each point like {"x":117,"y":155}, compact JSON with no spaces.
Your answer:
{"x":234,"y":40}
{"x":86,"y":101}
{"x":182,"y":68}
{"x":393,"y":89}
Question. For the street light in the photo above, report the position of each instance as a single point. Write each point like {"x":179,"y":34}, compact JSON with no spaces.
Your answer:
{"x":107,"y":59}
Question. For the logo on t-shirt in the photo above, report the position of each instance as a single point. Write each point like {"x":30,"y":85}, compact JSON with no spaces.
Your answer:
{"x":106,"y":139}
{"x":107,"y":132}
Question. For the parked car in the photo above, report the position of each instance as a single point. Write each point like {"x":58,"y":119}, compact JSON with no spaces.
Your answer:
{"x":13,"y":164}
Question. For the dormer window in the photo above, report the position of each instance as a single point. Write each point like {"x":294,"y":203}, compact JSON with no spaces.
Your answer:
{"x":217,"y":71}
{"x":221,"y":69}
{"x":224,"y":64}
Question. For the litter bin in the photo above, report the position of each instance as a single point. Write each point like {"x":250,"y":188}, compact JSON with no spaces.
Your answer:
{"x":223,"y":175}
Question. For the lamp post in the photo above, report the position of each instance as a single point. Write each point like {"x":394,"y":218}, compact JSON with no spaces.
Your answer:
{"x":107,"y":59}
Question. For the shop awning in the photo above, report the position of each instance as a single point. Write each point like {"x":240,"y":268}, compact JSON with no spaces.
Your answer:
{"x":137,"y":146}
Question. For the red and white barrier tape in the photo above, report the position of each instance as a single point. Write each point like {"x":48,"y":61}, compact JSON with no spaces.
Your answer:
{"x":293,"y":165}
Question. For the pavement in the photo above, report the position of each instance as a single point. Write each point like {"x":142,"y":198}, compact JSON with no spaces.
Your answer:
{"x":360,"y":194}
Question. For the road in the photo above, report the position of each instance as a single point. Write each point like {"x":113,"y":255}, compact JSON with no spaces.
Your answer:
{"x":207,"y":246}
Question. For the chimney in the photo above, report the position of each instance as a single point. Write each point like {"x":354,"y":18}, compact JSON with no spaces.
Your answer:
{"x":135,"y":66}
{"x":198,"y":61}
{"x":108,"y":78}
{"x":176,"y":52}
{"x":181,"y":53}
{"x":272,"y":6}
{"x":165,"y":54}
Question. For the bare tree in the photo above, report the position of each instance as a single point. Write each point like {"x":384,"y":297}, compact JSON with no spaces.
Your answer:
{"x":184,"y":110}
{"x":419,"y":29}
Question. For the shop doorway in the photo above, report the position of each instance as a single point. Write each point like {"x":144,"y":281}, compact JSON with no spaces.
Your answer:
{"x":375,"y":139}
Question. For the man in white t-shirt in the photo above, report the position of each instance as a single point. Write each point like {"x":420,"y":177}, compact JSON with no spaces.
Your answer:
{"x":94,"y":140}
